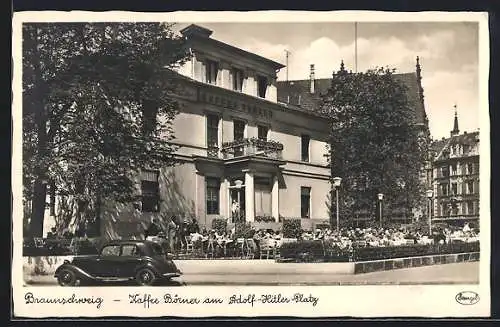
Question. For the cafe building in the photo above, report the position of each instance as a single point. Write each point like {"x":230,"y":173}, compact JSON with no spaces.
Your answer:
{"x":242,"y":154}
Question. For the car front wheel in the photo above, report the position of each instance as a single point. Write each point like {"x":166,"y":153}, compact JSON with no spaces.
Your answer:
{"x":145,"y":277}
{"x":66,"y":277}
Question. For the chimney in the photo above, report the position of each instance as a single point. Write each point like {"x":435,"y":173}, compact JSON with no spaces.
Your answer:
{"x":311,"y":76}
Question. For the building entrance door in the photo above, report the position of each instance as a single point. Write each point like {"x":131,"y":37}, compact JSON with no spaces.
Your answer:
{"x":238,"y":205}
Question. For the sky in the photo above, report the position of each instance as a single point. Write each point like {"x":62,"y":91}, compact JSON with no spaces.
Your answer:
{"x":448,"y":54}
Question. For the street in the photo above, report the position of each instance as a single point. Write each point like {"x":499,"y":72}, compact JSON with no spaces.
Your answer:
{"x":467,"y":272}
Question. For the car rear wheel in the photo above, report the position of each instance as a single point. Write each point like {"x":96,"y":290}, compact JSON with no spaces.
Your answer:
{"x":145,"y":277}
{"x":66,"y":277}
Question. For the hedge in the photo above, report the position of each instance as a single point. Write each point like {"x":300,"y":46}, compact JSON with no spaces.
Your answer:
{"x":219,"y":225}
{"x":380,"y":253}
{"x":307,"y":251}
{"x":303,"y":250}
{"x":265,"y":219}
{"x":54,"y":247}
{"x":292,"y":228}
{"x":243,"y":229}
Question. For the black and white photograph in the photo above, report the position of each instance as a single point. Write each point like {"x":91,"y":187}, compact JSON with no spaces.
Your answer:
{"x":250,"y":164}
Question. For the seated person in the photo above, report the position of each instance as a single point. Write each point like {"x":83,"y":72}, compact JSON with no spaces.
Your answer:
{"x":154,"y":229}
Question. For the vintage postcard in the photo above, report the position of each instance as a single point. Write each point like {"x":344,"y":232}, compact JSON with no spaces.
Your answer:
{"x":250,"y":164}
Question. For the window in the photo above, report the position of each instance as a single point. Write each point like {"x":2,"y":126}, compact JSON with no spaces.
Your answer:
{"x":129,"y":250}
{"x":237,"y":79}
{"x":305,"y":202}
{"x":111,"y":250}
{"x":445,"y":171}
{"x":150,"y":190}
{"x":465,"y":148}
{"x":213,"y":186}
{"x":454,"y":188}
{"x":157,"y":249}
{"x":305,"y":147}
{"x":443,"y":189}
{"x":212,"y":69}
{"x":212,"y":135}
{"x":262,"y":132}
{"x":262,"y":86}
{"x":470,"y":207}
{"x":470,"y":187}
{"x":470,"y":169}
{"x":453,"y":169}
{"x":239,"y":129}
{"x":263,"y":198}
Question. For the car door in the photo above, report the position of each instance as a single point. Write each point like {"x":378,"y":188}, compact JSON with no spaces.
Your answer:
{"x":130,"y":259}
{"x":107,"y":263}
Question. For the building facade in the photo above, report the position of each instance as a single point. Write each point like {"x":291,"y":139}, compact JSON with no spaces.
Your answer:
{"x":242,"y":154}
{"x":455,"y":177}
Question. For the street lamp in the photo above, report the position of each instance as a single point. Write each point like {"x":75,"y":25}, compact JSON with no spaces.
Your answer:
{"x":380,"y":198}
{"x":238,"y":184}
{"x":336,"y":184}
{"x":429,"y":194}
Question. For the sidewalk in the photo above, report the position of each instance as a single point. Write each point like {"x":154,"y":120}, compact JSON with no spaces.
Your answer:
{"x":454,"y":273}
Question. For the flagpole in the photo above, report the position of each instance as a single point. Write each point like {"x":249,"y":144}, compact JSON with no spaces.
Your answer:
{"x":356,"y":47}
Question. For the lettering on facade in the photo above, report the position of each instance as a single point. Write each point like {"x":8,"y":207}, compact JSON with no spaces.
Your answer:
{"x":235,"y":105}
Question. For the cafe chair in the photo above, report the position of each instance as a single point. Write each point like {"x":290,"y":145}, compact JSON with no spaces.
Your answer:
{"x":189,"y":244}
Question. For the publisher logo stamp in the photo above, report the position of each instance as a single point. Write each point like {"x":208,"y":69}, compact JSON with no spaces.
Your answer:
{"x":467,"y":298}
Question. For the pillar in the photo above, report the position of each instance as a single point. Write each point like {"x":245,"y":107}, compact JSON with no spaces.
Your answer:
{"x":224,"y":198}
{"x":275,"y":199}
{"x":249,"y":197}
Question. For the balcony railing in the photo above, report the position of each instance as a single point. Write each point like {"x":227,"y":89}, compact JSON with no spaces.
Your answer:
{"x":252,"y":147}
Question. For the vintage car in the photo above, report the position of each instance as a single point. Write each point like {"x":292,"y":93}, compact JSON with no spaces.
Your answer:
{"x":142,"y":261}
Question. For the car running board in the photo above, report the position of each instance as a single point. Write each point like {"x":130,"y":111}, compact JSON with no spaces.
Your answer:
{"x":105,"y":279}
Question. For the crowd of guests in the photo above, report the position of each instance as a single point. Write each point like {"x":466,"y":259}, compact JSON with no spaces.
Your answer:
{"x":185,"y":235}
{"x":380,"y":237}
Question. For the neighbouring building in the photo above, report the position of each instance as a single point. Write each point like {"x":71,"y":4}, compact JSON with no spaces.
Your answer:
{"x":306,"y":94}
{"x":455,"y":177}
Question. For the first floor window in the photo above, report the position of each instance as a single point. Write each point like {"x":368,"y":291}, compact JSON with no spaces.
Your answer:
{"x":150,"y":190}
{"x":262,"y":132}
{"x":443,"y":189}
{"x":470,"y":208}
{"x":470,"y":169}
{"x":470,"y":187}
{"x":213,"y":186}
{"x":305,"y":202}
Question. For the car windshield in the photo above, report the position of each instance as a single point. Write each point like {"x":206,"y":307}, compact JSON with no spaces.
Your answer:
{"x":157,"y":249}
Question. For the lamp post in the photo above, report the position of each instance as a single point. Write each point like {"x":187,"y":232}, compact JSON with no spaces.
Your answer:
{"x":336,"y":184}
{"x":430,"y":194}
{"x":380,"y":198}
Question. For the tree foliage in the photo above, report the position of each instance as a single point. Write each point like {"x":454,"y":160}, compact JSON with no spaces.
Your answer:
{"x":375,"y":144}
{"x":92,"y":94}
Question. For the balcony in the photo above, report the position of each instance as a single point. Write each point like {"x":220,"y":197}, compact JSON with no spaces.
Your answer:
{"x":252,"y":147}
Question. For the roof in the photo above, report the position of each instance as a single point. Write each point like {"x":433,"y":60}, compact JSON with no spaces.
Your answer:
{"x":195,"y":31}
{"x":298,"y":93}
{"x":465,"y":138}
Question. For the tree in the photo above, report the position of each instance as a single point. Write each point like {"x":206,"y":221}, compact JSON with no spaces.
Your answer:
{"x":375,"y":145}
{"x":92,"y":94}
